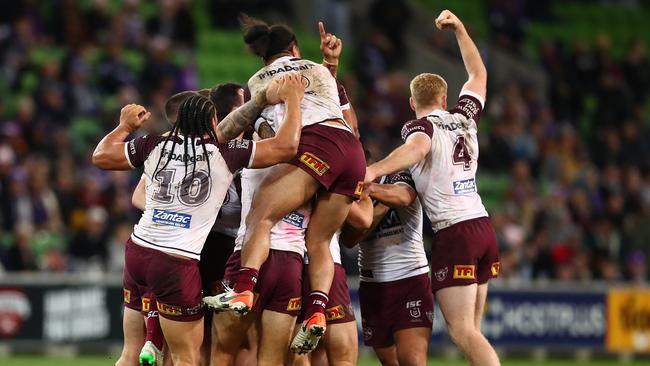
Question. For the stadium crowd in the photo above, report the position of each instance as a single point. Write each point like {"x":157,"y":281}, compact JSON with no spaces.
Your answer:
{"x":576,"y":205}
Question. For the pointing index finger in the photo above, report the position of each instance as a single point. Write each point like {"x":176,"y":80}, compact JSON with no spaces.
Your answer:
{"x":321,"y":30}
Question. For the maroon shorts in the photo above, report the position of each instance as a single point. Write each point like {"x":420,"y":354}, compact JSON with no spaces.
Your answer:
{"x":334,"y":157}
{"x":464,"y":253}
{"x":214,"y":256}
{"x":387,"y":307}
{"x":279,"y":283}
{"x":174,"y":282}
{"x":339,"y":308}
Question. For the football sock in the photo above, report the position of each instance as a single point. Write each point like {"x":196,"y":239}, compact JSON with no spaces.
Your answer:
{"x":246,"y":279}
{"x":316,"y":303}
{"x":154,"y":331}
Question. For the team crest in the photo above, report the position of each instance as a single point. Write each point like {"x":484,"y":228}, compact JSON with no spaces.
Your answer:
{"x":314,"y":163}
{"x":441,"y":274}
{"x":367,"y":333}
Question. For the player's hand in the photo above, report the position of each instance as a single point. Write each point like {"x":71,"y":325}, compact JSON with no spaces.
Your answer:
{"x":370,"y":176}
{"x":132,"y":116}
{"x":447,"y":19}
{"x":330,"y":45}
{"x":292,"y":88}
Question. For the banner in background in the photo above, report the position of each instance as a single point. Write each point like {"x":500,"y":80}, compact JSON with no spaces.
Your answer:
{"x":628,"y":318}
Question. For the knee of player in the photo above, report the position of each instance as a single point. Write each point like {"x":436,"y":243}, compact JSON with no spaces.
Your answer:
{"x":460,"y":332}
{"x":412,"y":359}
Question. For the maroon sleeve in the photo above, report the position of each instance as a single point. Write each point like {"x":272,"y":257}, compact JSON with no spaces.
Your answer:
{"x":237,"y":153}
{"x":403,"y":177}
{"x":138,"y":149}
{"x":469,"y":107}
{"x":417,"y":125}
{"x":343,"y":95}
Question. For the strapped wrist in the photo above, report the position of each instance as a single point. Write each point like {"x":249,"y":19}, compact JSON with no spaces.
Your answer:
{"x":331,"y":63}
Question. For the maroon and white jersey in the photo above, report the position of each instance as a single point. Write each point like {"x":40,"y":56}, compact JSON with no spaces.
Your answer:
{"x":321,"y":101}
{"x":179,"y":212}
{"x":446,"y":178}
{"x":394,"y":249}
{"x":229,"y":216}
{"x":287,"y":234}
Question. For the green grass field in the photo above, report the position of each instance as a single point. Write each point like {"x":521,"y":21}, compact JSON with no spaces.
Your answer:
{"x":97,"y":361}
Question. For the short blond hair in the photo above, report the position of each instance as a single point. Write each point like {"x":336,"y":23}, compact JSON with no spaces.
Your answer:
{"x":428,"y":89}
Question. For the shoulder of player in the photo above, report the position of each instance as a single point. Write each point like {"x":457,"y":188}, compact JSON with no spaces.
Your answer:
{"x":423,"y":125}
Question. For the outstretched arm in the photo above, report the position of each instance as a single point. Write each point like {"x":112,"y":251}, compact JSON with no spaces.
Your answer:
{"x":109,"y":153}
{"x":416,"y":147}
{"x":477,"y":80}
{"x":351,"y":236}
{"x":392,"y":195}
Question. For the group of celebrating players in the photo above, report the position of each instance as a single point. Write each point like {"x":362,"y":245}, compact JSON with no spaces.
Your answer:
{"x":247,"y":199}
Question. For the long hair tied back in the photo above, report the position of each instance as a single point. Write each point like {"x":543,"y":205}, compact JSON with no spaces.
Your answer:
{"x":266,"y":40}
{"x":194,"y":121}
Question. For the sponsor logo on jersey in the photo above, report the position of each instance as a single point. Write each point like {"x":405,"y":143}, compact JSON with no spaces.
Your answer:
{"x":170,"y":218}
{"x":314,"y":163}
{"x":359,"y":189}
{"x":286,"y":68}
{"x":335,"y":313}
{"x":465,"y":186}
{"x":468,"y":107}
{"x":186,"y":157}
{"x":132,"y":150}
{"x":294,"y":304}
{"x":146,"y":304}
{"x":168,"y":309}
{"x":441,"y":274}
{"x":127,"y":296}
{"x":295,"y":218}
{"x":496,"y":266}
{"x":464,"y":272}
{"x":414,"y":308}
{"x":238,"y":144}
{"x":412,"y":127}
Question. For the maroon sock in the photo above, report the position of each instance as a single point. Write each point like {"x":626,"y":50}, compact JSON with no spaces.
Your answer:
{"x":246,"y":279}
{"x":316,"y":303}
{"x":154,"y":331}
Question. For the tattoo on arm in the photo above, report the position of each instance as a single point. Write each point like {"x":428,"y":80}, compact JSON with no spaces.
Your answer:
{"x":238,"y":120}
{"x":265,"y":131}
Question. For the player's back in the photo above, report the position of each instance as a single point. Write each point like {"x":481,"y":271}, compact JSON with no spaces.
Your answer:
{"x":183,"y":194}
{"x":321,"y":101}
{"x":446,"y":178}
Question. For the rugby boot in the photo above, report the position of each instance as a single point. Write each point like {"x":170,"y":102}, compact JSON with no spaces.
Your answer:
{"x":150,"y":355}
{"x":241,"y":302}
{"x":310,"y":332}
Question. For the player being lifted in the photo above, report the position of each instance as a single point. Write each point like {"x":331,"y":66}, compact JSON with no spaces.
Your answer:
{"x":441,"y":150}
{"x":330,"y":161}
{"x":187,"y":176}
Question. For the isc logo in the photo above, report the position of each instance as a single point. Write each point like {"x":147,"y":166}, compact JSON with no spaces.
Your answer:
{"x":314,"y":163}
{"x":464,"y":272}
{"x":465,"y":186}
{"x":170,"y":218}
{"x":413,"y":304}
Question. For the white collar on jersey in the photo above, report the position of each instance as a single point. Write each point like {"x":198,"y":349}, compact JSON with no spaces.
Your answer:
{"x":437,"y":112}
{"x":282,"y":59}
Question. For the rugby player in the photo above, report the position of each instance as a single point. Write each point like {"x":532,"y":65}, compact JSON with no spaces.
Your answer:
{"x":220,"y":241}
{"x":395,"y":289}
{"x":441,"y":151}
{"x":184,"y":194}
{"x":330,"y":157}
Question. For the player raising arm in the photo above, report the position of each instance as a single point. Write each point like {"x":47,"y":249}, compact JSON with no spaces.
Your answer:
{"x":441,"y":151}
{"x":187,"y":176}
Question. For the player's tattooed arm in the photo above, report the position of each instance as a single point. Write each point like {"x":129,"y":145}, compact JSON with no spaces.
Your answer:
{"x":239,"y":119}
{"x":351,"y":236}
{"x":265,"y":131}
{"x":109,"y":153}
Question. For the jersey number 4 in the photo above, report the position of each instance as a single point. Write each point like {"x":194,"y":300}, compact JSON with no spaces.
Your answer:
{"x":192,"y":192}
{"x":461,"y":154}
